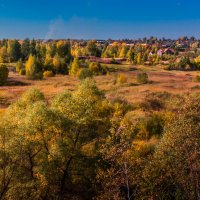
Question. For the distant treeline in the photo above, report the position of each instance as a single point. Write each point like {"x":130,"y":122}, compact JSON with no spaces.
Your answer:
{"x":55,"y":57}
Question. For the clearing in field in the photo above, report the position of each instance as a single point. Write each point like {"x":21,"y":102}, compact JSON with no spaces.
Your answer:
{"x":177,"y":82}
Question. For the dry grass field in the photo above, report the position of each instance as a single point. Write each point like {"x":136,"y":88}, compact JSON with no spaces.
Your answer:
{"x":177,"y":82}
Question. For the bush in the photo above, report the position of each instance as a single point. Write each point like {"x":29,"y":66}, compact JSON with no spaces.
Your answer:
{"x":97,"y":68}
{"x":184,"y":63}
{"x":121,"y":79}
{"x":19,"y":66}
{"x":39,"y":75}
{"x":156,"y":101}
{"x":48,"y":74}
{"x":31,"y":96}
{"x":197,"y":79}
{"x":142,"y":78}
{"x":3,"y":74}
{"x":84,"y":73}
{"x":22,"y":72}
{"x":155,"y":125}
{"x":168,"y":67}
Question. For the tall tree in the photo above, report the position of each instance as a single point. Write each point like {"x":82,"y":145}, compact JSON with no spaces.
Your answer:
{"x":25,"y":49}
{"x":14,"y":50}
{"x":33,"y":68}
{"x":92,"y":49}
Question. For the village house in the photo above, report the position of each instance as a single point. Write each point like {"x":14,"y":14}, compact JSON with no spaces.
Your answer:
{"x":168,"y":51}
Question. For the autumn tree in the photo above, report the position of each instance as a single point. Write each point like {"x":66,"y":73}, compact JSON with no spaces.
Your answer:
{"x":174,"y":170}
{"x":124,"y":50}
{"x":62,"y":141}
{"x":33,"y":68}
{"x":92,"y":49}
{"x":124,"y":156}
{"x":74,"y":68}
{"x":130,"y":55}
{"x":97,"y":68}
{"x":20,"y":66}
{"x":3,"y":54}
{"x":64,"y":50}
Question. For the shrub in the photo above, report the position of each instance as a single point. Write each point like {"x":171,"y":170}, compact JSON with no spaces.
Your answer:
{"x":3,"y":74}
{"x":19,"y":66}
{"x":31,"y":96}
{"x":48,"y":74}
{"x":168,"y":67}
{"x":197,"y":79}
{"x":97,"y":68}
{"x":84,"y":73}
{"x":185,"y":64}
{"x":142,"y":78}
{"x":121,"y":79}
{"x":22,"y":72}
{"x":155,"y":125}
{"x":39,"y":75}
{"x":156,"y":101}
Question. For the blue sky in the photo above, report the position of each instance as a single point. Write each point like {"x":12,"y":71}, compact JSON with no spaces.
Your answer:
{"x":99,"y":19}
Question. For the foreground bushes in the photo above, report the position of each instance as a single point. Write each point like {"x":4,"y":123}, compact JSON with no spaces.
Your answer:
{"x":81,"y":146}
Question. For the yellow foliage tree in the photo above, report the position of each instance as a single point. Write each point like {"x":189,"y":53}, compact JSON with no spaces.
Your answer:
{"x":32,"y":68}
{"x":75,"y":66}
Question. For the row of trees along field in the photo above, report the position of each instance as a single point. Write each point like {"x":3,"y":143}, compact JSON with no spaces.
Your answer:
{"x":82,"y":146}
{"x":39,"y":56}
{"x":34,"y":58}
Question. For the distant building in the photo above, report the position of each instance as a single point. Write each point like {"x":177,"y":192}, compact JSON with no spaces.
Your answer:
{"x":169,"y":51}
{"x":160,"y":52}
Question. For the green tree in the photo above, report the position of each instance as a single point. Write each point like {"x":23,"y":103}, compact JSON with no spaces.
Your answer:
{"x":33,"y":47}
{"x":14,"y":50}
{"x":84,"y":73}
{"x":3,"y":55}
{"x":92,"y":49}
{"x":25,"y":49}
{"x":64,"y":50}
{"x":97,"y":68}
{"x":3,"y":74}
{"x":59,"y":65}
